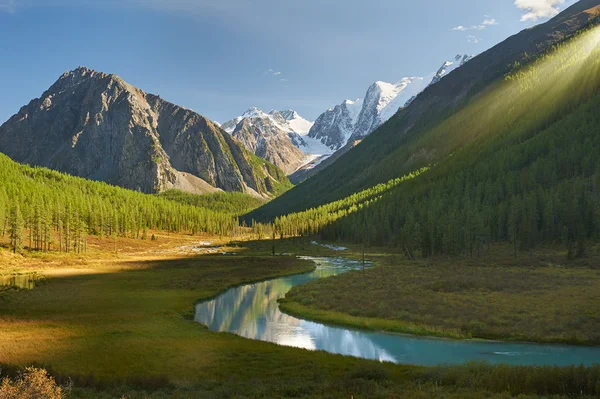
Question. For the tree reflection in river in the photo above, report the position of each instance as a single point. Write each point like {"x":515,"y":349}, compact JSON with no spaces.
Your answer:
{"x":252,"y":311}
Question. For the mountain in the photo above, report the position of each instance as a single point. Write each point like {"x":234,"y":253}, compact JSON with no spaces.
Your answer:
{"x":450,"y":66}
{"x":335,"y":126}
{"x":354,"y":120}
{"x":343,"y":127}
{"x":382,"y":101}
{"x":268,"y":141}
{"x":296,"y":123}
{"x":95,"y":125}
{"x":450,"y":115}
{"x":280,"y":137}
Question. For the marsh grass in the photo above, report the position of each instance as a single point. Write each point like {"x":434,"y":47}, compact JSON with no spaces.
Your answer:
{"x":541,"y":299}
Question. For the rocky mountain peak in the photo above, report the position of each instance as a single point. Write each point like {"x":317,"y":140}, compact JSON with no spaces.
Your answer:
{"x":95,"y":125}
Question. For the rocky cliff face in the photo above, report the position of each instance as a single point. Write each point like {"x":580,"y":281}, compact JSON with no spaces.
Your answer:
{"x":95,"y":125}
{"x":269,"y":142}
{"x":277,"y":136}
{"x":335,"y":126}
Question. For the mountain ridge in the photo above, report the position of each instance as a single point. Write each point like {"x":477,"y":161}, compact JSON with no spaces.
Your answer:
{"x":95,"y":125}
{"x":385,"y":154}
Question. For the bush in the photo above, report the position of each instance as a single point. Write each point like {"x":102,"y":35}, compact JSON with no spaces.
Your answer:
{"x":33,"y":384}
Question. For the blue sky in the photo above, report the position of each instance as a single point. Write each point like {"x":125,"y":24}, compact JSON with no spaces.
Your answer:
{"x":219,"y":57}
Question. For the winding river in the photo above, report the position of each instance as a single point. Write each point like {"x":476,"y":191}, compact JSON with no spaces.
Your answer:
{"x":252,"y":311}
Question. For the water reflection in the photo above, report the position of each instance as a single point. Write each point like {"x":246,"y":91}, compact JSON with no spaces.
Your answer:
{"x":252,"y":311}
{"x":23,"y":281}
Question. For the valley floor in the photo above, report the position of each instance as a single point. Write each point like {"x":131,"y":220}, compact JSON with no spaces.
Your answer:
{"x":118,"y":324}
{"x":540,"y":298}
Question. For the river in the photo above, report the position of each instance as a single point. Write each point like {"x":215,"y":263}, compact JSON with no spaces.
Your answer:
{"x":252,"y":311}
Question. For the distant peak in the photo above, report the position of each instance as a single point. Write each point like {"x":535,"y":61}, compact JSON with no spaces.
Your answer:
{"x":253,"y":112}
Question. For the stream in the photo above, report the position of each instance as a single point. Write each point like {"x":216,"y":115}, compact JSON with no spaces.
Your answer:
{"x":252,"y":311}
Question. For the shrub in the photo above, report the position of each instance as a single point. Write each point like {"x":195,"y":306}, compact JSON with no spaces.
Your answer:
{"x":33,"y":384}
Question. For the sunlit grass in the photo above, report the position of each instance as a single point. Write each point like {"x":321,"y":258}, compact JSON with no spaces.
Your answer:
{"x":127,"y":332}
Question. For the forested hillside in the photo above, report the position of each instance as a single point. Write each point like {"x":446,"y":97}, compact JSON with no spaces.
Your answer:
{"x":57,"y":211}
{"x":428,"y":130}
{"x":526,"y":172}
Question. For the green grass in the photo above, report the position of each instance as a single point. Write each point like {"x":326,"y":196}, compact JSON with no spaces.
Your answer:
{"x":541,"y":299}
{"x":127,"y":332}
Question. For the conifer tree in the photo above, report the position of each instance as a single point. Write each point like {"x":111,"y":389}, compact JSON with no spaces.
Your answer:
{"x":16,"y":229}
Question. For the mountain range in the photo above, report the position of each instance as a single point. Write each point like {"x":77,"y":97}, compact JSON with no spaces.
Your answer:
{"x":95,"y":125}
{"x":300,"y":147}
{"x":430,"y":130}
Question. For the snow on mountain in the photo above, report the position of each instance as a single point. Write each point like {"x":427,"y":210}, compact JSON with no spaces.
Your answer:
{"x":356,"y":119}
{"x":297,"y":123}
{"x":382,"y":101}
{"x":335,"y":126}
{"x":229,"y":126}
{"x":333,"y":129}
{"x":450,"y":66}
{"x":288,"y":120}
{"x":278,"y":136}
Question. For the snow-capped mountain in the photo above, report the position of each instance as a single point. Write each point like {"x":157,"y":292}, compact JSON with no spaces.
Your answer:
{"x":450,"y":66}
{"x":353,"y":120}
{"x":288,"y":120}
{"x":296,"y":123}
{"x":334,"y":127}
{"x":382,"y":101}
{"x":277,"y":136}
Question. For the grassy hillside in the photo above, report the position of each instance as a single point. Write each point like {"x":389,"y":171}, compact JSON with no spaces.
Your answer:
{"x":59,"y":210}
{"x":227,"y":202}
{"x":520,"y":167}
{"x":470,"y":103}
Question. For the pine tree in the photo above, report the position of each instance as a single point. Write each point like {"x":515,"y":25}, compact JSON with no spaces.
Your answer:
{"x":16,"y":229}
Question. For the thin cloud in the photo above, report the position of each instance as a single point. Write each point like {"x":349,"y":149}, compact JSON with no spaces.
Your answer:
{"x":272,"y":72}
{"x":276,"y":74}
{"x":8,"y":5}
{"x":488,"y":21}
{"x":473,"y":39}
{"x":536,"y":9}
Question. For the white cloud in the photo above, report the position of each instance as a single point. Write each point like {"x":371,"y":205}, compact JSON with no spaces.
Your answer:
{"x":488,"y":21}
{"x":272,"y":72}
{"x":276,"y":74}
{"x":536,"y":9}
{"x":473,"y":39}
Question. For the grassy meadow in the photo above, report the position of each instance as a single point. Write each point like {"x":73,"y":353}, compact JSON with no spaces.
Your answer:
{"x":541,"y":298}
{"x":118,"y":324}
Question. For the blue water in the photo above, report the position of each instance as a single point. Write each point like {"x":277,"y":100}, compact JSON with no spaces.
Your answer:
{"x":252,"y":311}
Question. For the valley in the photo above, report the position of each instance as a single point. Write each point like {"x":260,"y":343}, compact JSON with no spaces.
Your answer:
{"x":121,"y":324}
{"x":438,"y":237}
